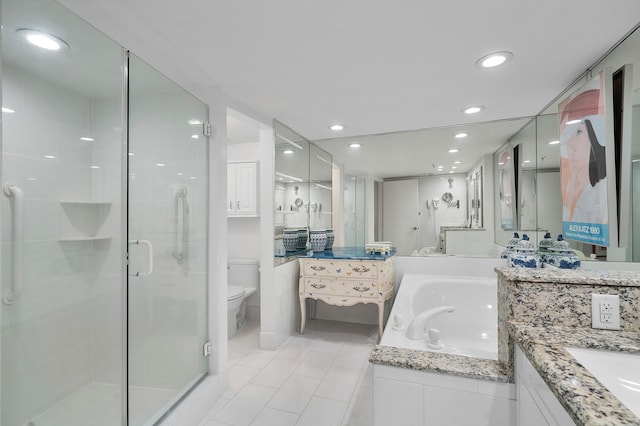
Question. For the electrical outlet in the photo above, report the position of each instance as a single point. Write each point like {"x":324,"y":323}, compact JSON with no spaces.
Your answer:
{"x":605,"y":311}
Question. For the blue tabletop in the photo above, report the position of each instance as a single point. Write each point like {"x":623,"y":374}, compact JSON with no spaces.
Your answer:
{"x":347,"y":253}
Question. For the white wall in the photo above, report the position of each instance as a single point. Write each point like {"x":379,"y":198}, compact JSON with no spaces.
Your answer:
{"x":58,"y":329}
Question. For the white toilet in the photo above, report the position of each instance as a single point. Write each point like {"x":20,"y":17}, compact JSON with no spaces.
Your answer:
{"x":243,"y":277}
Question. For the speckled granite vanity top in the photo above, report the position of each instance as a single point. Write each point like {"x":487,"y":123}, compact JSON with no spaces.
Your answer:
{"x":578,"y":276}
{"x":585,"y":399}
{"x":456,"y":365}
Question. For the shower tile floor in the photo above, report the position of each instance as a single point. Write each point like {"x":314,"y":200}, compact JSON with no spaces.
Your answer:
{"x":321,"y":378}
{"x":81,"y":407}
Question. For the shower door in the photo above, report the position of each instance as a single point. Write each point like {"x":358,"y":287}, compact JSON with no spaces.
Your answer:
{"x":167,"y":270}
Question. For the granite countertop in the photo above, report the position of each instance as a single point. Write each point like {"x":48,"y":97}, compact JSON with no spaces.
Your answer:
{"x":456,"y":365}
{"x":587,"y":401}
{"x":356,"y":253}
{"x":568,"y":276}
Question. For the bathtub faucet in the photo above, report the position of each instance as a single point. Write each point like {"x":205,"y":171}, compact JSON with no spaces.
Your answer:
{"x":418,"y":326}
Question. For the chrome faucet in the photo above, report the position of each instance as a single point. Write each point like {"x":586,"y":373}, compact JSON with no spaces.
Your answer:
{"x":418,"y":326}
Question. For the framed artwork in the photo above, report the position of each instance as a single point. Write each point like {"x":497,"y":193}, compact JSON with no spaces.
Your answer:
{"x":583,"y":164}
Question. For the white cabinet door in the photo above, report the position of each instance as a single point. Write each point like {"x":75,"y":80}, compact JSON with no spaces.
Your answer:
{"x":231,"y":189}
{"x":242,"y":189}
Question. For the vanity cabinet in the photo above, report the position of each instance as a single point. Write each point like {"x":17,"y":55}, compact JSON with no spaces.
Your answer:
{"x":346,"y":282}
{"x":242,"y":189}
{"x":537,"y":405}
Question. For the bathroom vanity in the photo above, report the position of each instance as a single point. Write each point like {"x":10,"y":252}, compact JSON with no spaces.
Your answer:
{"x":346,"y":276}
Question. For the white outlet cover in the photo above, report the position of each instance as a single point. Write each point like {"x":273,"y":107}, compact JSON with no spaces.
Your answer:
{"x":596,"y":315}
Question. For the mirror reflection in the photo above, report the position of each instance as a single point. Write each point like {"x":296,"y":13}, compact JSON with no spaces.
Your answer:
{"x":417,"y":168}
{"x":303,"y":192}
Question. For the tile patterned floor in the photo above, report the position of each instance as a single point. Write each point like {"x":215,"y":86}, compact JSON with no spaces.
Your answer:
{"x":321,"y":378}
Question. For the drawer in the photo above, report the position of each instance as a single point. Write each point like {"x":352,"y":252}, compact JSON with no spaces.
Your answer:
{"x":336,"y":287}
{"x":341,"y":269}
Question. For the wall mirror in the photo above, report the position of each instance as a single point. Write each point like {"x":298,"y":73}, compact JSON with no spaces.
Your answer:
{"x":303,"y":189}
{"x":418,"y":153}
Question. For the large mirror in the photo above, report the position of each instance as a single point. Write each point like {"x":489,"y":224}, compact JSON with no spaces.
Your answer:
{"x":303,"y":189}
{"x":408,"y":162}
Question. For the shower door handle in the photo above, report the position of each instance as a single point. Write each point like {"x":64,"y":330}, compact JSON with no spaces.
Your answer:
{"x":149,"y":270}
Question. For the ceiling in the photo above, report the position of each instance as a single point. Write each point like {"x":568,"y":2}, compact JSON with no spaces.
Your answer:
{"x":375,"y":66}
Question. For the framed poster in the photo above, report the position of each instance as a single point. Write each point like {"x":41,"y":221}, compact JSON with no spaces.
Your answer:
{"x":507,"y":187}
{"x":583,"y":164}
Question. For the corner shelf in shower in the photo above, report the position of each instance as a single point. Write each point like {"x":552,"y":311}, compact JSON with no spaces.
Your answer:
{"x":73,"y":239}
{"x":83,"y":220}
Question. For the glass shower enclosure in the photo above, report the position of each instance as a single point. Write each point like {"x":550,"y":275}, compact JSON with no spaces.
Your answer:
{"x":103,"y":228}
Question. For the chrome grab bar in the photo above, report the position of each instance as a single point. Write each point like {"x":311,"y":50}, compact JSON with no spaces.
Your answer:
{"x":17,"y":235}
{"x":180,"y":199}
{"x":149,"y":270}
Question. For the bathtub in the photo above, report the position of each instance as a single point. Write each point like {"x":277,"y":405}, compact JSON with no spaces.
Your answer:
{"x":428,"y":386}
{"x":471,"y":330}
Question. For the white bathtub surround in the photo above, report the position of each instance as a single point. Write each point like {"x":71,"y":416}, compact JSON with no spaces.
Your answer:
{"x":406,"y":397}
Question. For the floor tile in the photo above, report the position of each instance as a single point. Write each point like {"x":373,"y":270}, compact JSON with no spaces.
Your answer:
{"x":275,"y":373}
{"x":338,"y":384}
{"x":271,"y":417}
{"x":323,"y":412}
{"x":315,"y":364}
{"x":245,"y":406}
{"x":295,"y":393}
{"x":360,"y":410}
{"x":239,"y":376}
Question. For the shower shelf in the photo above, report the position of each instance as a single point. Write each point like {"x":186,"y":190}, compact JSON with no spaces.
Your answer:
{"x":72,"y":239}
{"x":83,"y":220}
{"x":84,"y":202}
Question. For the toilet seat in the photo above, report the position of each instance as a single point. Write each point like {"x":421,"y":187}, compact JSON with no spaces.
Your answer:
{"x":235,"y":292}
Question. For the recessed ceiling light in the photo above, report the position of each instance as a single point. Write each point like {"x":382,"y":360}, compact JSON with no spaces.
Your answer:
{"x":453,"y":150}
{"x":554,"y":142}
{"x":461,"y":135}
{"x":49,"y":156}
{"x":194,"y":136}
{"x":7,"y":110}
{"x":473,"y":109}
{"x":454,"y":167}
{"x":355,"y":145}
{"x":179,"y":173}
{"x":456,"y":162}
{"x":86,"y":139}
{"x":494,"y":59}
{"x":337,"y":127}
{"x":527,"y":161}
{"x":43,"y":40}
{"x":194,"y":121}
{"x":94,"y":167}
{"x":160,"y":164}
{"x":287,"y":151}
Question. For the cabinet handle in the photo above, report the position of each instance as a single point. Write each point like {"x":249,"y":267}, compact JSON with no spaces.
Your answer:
{"x":231,"y":204}
{"x":238,"y":205}
{"x":317,"y":268}
{"x":361,"y":289}
{"x":318,"y":285}
{"x":360,"y":269}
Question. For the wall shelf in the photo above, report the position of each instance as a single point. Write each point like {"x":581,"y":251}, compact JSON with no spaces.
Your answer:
{"x":75,"y":239}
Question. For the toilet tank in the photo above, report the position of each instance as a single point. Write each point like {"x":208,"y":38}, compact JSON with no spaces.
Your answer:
{"x":243,"y":272}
